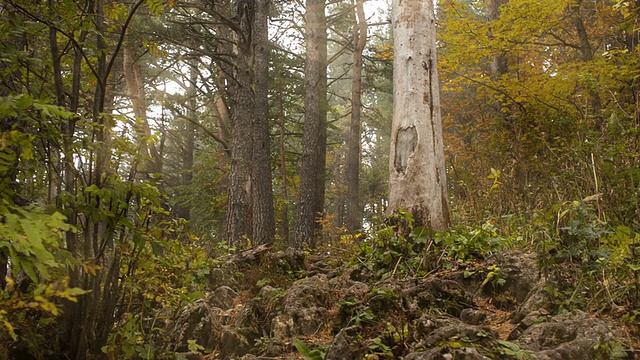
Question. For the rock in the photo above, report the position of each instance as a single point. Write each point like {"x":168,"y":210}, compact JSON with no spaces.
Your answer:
{"x":447,"y":336}
{"x":519,"y":272}
{"x":383,"y":300}
{"x":258,"y":313}
{"x":478,"y":335}
{"x":304,"y":310}
{"x":472,"y":316}
{"x":530,"y":319}
{"x":289,"y":260}
{"x":199,"y":321}
{"x":574,"y":335}
{"x":446,"y":295}
{"x":306,"y":321}
{"x":346,"y":345}
{"x":233,"y":343}
{"x":221,"y":276}
{"x":447,"y":353}
{"x":248,"y":256}
{"x":424,"y":326}
{"x":281,"y":327}
{"x":535,"y":301}
{"x":222,"y":297}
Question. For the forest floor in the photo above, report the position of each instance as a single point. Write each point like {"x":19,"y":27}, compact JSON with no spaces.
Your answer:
{"x":268,"y":304}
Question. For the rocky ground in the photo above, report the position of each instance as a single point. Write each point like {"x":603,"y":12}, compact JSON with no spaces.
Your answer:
{"x":339,"y":311}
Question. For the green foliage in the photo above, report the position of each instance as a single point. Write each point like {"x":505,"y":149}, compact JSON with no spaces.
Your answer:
{"x":155,"y":6}
{"x":470,"y":243}
{"x":401,"y":249}
{"x":582,"y":253}
{"x":493,"y":276}
{"x":378,"y":347}
{"x":31,"y":240}
{"x":355,"y":312}
{"x":613,"y":350}
{"x":194,"y":347}
{"x":304,"y":350}
{"x":511,"y":350}
{"x":169,"y":272}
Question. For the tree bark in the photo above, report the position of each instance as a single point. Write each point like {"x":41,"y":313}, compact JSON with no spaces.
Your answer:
{"x":238,"y":220}
{"x":417,"y":169}
{"x":311,"y":202}
{"x":134,"y":79}
{"x":499,"y":64}
{"x":353,"y":208}
{"x":284,"y":226}
{"x":263,"y":213}
{"x":189,"y":137}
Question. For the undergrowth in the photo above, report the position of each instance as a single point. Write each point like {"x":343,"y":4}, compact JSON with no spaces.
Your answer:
{"x":589,"y":262}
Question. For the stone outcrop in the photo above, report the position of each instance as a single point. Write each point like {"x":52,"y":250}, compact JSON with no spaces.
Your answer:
{"x":344,"y":315}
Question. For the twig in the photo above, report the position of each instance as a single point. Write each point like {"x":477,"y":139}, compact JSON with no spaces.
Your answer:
{"x":396,"y":267}
{"x":595,"y":179}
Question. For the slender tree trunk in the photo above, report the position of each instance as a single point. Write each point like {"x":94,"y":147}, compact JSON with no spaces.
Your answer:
{"x":134,"y":79}
{"x":354,"y":209}
{"x":263,"y":214}
{"x":55,"y":181}
{"x":283,"y":169}
{"x":238,"y":219}
{"x":632,"y":39}
{"x":417,"y":170}
{"x":71,"y":315}
{"x":188,"y":151}
{"x":321,"y":172}
{"x":311,"y":202}
{"x":222,"y":109}
{"x":55,"y":59}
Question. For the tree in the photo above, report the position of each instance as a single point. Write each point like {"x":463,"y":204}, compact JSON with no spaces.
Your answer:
{"x":499,"y":64}
{"x":354,"y":209}
{"x":242,"y":102}
{"x":263,"y":211}
{"x":134,"y":78}
{"x":311,"y":202}
{"x":417,"y":181}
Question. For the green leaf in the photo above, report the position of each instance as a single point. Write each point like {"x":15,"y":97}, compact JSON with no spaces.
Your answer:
{"x":308,"y":354}
{"x":194,"y":347}
{"x":23,"y":101}
{"x":8,"y":106}
{"x":146,"y":351}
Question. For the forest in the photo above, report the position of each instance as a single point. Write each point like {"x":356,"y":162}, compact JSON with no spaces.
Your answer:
{"x":236,"y":179}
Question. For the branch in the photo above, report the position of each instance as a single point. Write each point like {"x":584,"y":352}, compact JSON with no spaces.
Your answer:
{"x":215,"y":137}
{"x":498,"y":90}
{"x":123,"y":32}
{"x":562,"y":41}
{"x":69,"y":36}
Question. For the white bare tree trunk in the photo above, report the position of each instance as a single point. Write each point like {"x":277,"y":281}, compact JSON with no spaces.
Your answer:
{"x":417,"y":171}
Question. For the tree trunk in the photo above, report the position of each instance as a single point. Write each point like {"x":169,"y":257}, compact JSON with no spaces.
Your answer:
{"x":586,"y":55}
{"x":188,"y":137}
{"x":134,"y":79}
{"x":417,"y":170}
{"x":499,"y":64}
{"x":238,"y":219}
{"x":354,"y":210}
{"x":311,"y":201}
{"x":283,"y":169}
{"x":263,"y":214}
